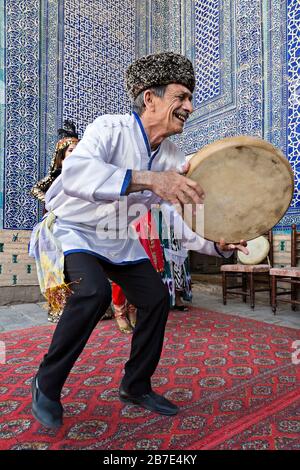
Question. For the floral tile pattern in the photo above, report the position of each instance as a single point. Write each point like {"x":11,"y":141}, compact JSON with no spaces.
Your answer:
{"x":63,"y":59}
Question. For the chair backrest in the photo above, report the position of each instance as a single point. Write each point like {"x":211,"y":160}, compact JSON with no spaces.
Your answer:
{"x":295,"y":246}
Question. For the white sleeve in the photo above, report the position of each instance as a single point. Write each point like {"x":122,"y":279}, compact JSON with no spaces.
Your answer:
{"x":86,"y":173}
{"x":189,"y":239}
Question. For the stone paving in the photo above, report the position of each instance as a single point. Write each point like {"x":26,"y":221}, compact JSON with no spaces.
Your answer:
{"x":285,"y":316}
{"x":14,"y":317}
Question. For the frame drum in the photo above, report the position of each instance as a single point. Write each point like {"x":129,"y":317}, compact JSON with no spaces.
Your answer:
{"x":258,"y":250}
{"x":248,"y":185}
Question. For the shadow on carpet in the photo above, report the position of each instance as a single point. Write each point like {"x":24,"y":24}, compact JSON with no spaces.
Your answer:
{"x":232,"y":378}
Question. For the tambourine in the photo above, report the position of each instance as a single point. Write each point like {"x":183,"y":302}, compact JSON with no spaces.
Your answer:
{"x":248,"y":185}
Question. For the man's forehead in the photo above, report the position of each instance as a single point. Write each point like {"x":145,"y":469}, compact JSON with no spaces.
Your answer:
{"x":178,"y":88}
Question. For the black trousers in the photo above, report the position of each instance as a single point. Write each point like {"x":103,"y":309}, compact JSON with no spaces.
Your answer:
{"x":143,"y":288}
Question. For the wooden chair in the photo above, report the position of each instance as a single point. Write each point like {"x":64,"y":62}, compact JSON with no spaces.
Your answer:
{"x":248,"y":274}
{"x":289,"y":274}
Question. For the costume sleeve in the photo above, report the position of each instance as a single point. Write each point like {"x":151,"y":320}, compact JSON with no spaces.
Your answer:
{"x":189,"y":239}
{"x":41,"y":187}
{"x":87,"y":173}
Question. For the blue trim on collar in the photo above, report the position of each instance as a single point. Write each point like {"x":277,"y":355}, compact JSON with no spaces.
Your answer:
{"x":152,"y":158}
{"x":145,"y":137}
{"x":146,"y":140}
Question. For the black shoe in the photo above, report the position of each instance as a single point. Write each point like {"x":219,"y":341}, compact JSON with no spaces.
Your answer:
{"x":47,"y":412}
{"x":151,"y":401}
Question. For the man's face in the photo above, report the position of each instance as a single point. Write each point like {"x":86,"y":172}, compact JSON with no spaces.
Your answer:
{"x":174,"y":108}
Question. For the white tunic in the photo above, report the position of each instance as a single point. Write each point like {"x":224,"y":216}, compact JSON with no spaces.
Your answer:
{"x":88,"y":199}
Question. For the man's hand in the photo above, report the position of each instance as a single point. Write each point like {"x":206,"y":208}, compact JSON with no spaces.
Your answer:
{"x":233,"y":246}
{"x":171,"y":186}
{"x":176,"y":188}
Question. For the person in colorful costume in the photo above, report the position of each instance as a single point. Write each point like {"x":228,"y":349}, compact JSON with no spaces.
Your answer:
{"x":176,"y":273}
{"x":122,"y":165}
{"x":67,"y":141}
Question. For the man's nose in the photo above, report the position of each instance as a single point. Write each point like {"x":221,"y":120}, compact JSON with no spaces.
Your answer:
{"x":188,"y":106}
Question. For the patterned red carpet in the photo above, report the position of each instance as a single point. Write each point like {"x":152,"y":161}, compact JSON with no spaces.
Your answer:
{"x":233,"y":379}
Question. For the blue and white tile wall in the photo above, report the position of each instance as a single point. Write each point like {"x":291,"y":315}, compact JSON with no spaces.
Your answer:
{"x":63,"y":59}
{"x":59,"y":59}
{"x":247,"y":59}
{"x":2,"y":108}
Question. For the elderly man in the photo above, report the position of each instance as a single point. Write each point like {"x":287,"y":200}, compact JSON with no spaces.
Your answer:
{"x":121,"y":160}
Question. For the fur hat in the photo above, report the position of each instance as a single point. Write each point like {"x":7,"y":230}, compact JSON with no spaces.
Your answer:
{"x":158,"y":70}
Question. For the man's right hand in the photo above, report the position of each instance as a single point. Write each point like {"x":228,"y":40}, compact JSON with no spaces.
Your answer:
{"x":176,"y":188}
{"x":168,"y":185}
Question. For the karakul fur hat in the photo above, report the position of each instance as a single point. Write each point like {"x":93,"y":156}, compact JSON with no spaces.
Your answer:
{"x":158,"y":70}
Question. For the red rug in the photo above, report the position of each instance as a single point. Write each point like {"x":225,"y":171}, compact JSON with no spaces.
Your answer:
{"x":233,"y":379}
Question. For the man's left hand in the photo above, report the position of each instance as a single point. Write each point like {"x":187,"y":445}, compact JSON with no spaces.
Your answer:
{"x":233,"y":246}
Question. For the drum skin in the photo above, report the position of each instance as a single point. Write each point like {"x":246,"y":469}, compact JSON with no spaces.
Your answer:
{"x":258,"y":250}
{"x":248,"y":185}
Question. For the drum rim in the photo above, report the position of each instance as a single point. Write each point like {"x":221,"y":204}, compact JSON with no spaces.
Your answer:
{"x":242,"y":141}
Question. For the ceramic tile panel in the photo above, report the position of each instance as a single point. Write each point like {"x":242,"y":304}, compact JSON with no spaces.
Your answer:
{"x":246,"y":57}
{"x":98,"y":46}
{"x":2,"y":107}
{"x":21,"y":137}
{"x":63,"y":59}
{"x":58,"y":60}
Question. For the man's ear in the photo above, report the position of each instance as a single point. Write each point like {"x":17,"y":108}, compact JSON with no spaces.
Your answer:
{"x":149,"y":100}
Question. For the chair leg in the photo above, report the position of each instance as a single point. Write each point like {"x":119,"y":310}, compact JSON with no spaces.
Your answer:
{"x":244,"y":286}
{"x":224,"y":288}
{"x":274,"y":293}
{"x":293,"y":295}
{"x":270,"y":290}
{"x":252,"y":291}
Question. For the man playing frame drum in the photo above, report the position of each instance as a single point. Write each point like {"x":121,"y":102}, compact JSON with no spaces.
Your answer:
{"x":120,"y":159}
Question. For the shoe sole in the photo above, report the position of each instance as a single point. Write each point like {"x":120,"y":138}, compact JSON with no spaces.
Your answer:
{"x":131,"y":402}
{"x":43,"y":423}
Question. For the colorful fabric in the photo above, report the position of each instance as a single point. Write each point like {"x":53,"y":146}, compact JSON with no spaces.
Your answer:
{"x":176,"y":274}
{"x":49,"y":259}
{"x":149,"y":238}
{"x":118,"y":296}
